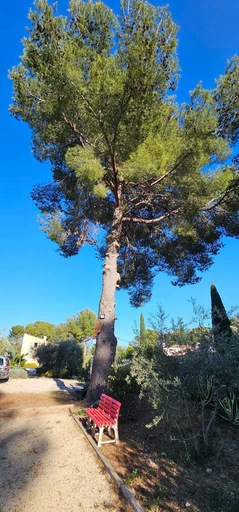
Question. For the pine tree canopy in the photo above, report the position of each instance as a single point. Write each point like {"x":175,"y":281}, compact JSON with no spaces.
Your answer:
{"x":97,"y":91}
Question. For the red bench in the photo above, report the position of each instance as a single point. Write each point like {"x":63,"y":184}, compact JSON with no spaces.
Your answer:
{"x":104,"y":416}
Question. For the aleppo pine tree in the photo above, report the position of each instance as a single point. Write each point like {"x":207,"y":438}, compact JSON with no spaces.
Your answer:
{"x":128,"y":163}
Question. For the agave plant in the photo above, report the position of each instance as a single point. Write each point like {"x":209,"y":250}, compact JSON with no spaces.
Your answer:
{"x":229,"y":408}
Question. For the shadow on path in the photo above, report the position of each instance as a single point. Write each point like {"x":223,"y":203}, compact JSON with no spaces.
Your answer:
{"x":78,"y":390}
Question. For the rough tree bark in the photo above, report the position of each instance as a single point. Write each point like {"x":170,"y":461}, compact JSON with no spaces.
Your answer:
{"x":106,"y":340}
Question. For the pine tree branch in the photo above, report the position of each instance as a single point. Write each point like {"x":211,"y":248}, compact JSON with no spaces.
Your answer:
{"x":150,"y":221}
{"x":96,"y":115}
{"x":77,"y":132}
{"x":32,"y":95}
{"x":146,"y":184}
{"x":171,"y":171}
{"x":216,"y":202}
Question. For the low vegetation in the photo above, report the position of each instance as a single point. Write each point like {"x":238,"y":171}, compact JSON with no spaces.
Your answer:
{"x":181,"y":416}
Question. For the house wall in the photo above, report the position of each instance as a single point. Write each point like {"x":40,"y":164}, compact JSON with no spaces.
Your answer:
{"x":29,"y":343}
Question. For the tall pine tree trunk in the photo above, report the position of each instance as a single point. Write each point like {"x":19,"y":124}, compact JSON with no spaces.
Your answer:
{"x":106,"y":341}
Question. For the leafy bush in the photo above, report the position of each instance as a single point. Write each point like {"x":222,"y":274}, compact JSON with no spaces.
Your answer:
{"x":62,"y":359}
{"x":190,"y":390}
{"x":18,"y":361}
{"x":120,"y":385}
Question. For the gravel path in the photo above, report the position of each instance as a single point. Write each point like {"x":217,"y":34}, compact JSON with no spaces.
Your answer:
{"x":47,"y":464}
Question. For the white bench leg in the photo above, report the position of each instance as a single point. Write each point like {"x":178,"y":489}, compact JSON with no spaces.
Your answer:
{"x":116,"y":435}
{"x":101,"y":429}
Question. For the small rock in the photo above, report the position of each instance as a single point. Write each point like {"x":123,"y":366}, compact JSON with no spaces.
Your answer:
{"x":187,"y":504}
{"x":209,"y":470}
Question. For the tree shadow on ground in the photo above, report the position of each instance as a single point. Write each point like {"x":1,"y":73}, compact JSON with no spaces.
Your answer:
{"x":76,"y":390}
{"x":14,"y":401}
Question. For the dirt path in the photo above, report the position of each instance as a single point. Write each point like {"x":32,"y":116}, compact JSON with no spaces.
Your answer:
{"x":47,"y":464}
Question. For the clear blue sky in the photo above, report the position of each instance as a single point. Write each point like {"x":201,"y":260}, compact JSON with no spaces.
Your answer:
{"x":36,"y":283}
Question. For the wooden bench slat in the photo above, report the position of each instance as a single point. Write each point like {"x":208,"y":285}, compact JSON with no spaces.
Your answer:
{"x":101,"y":414}
{"x":114,"y":413}
{"x":105,"y":416}
{"x":100,"y":418}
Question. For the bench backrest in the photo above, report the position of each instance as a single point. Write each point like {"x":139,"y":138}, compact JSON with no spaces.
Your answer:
{"x":110,"y":406}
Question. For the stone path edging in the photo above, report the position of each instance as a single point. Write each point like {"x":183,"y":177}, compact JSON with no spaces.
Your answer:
{"x":115,"y":477}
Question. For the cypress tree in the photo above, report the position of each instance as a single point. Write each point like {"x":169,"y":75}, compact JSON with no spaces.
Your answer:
{"x":220,"y":322}
{"x":142,"y":329}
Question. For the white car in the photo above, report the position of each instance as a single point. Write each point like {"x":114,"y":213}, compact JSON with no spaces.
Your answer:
{"x":4,"y":368}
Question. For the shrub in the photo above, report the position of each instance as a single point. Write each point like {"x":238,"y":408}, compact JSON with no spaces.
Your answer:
{"x":18,"y":373}
{"x":18,"y":361}
{"x":62,"y":359}
{"x":120,"y":384}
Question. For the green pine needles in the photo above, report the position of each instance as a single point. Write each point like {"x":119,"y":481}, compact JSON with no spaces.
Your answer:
{"x":150,"y":178}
